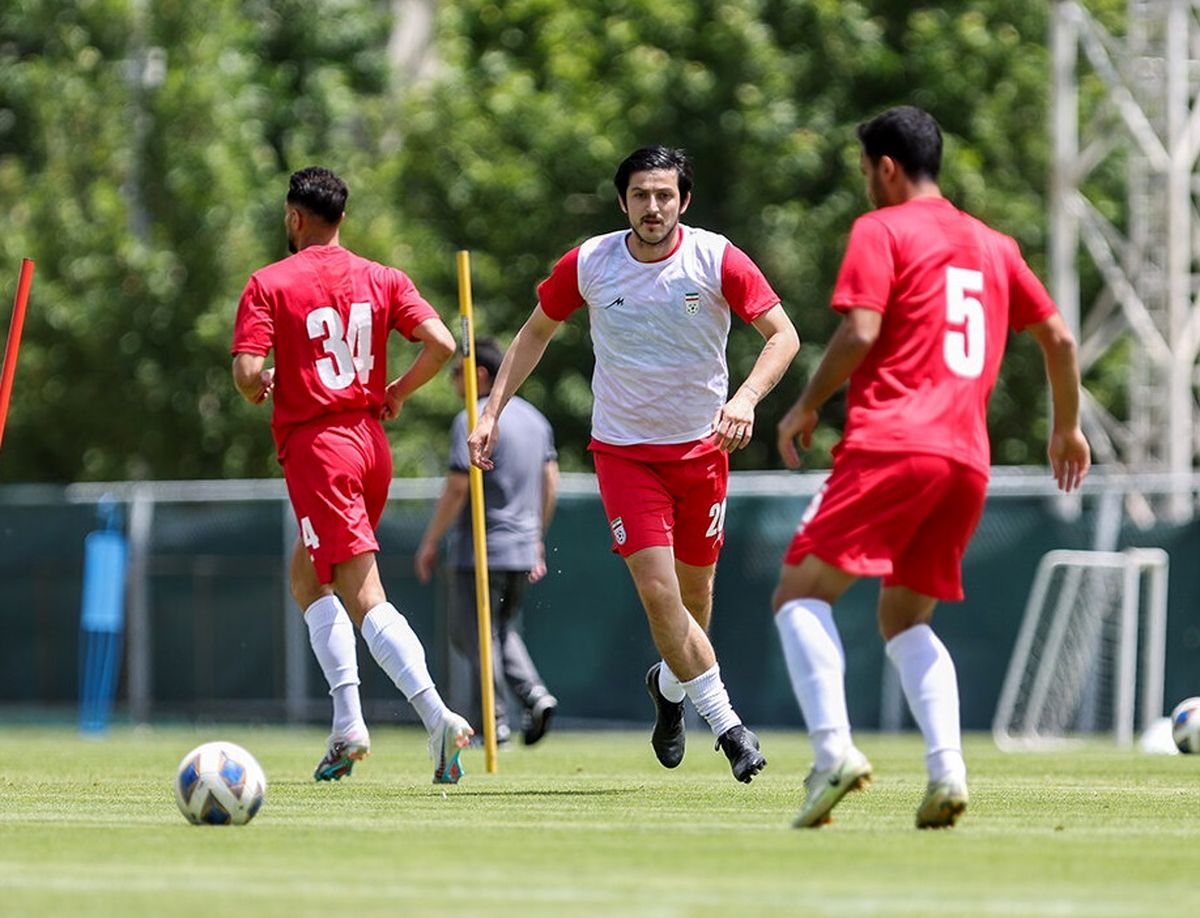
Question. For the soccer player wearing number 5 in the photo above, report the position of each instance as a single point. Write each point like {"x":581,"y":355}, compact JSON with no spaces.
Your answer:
{"x":928,"y":295}
{"x":659,"y":297}
{"x":327,"y":313}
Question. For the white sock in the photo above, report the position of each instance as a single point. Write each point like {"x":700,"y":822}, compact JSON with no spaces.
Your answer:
{"x":708,"y":694}
{"x":669,"y":684}
{"x":347,"y":712}
{"x":817,"y":666}
{"x":397,"y":649}
{"x":930,"y":684}
{"x":331,"y":635}
{"x":430,"y":708}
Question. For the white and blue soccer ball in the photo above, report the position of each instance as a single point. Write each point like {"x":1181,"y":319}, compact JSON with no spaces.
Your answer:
{"x":219,"y":784}
{"x":1185,"y":725}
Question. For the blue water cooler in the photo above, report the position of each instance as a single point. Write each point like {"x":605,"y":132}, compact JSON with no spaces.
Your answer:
{"x":102,"y":619}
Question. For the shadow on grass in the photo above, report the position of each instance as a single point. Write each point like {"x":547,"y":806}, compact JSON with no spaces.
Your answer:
{"x":545,"y":792}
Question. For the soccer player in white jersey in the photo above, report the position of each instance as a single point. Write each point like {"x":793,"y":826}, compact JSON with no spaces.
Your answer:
{"x":659,"y":296}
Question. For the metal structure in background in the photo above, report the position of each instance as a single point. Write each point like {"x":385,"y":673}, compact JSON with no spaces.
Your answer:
{"x":1142,"y":118}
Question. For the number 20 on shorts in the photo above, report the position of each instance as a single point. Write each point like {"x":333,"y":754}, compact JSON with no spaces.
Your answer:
{"x":716,"y":515}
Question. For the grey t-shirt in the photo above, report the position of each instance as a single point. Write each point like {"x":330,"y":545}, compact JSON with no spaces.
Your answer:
{"x":512,"y":491}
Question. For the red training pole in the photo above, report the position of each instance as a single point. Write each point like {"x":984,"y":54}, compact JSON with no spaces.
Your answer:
{"x":14,"y":339}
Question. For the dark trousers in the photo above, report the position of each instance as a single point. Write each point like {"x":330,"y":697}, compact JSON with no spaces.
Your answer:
{"x":511,"y":663}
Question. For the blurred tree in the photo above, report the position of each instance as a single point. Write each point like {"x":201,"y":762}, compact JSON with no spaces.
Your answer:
{"x":511,"y":152}
{"x":508,"y":152}
{"x":125,"y":367}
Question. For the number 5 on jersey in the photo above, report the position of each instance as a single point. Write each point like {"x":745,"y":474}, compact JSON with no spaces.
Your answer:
{"x":349,"y":349}
{"x":964,"y":345}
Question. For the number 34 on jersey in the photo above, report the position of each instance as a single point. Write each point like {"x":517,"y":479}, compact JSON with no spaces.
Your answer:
{"x":347,"y":347}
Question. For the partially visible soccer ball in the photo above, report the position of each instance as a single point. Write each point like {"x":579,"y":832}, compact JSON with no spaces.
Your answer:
{"x":219,"y":784}
{"x":1185,"y":725}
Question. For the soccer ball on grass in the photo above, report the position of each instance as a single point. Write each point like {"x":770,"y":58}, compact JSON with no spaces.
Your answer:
{"x":219,"y":784}
{"x":1185,"y":725}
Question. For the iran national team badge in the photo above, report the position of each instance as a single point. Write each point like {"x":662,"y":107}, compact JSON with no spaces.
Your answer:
{"x":618,"y":530}
{"x":691,"y":303}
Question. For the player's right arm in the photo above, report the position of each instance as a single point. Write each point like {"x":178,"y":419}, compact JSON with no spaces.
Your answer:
{"x":253,"y":338}
{"x":1068,"y":451}
{"x":253,"y":381}
{"x":861,"y":294}
{"x":523,"y":355}
{"x":850,"y":343}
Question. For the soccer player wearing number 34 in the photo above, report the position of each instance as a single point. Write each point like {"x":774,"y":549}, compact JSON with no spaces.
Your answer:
{"x":327,"y":314}
{"x":928,"y":295}
{"x":659,"y":297}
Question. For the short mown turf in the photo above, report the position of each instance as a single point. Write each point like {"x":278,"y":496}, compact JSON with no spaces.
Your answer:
{"x":587,"y":823}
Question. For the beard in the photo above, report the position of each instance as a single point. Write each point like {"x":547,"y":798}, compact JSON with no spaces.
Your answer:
{"x":668,"y":233}
{"x":292,"y":247}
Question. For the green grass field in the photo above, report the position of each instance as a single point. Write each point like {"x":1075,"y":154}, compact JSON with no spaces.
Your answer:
{"x":588,"y":824}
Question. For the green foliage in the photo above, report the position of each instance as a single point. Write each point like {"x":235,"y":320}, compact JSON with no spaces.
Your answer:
{"x":541,"y":100}
{"x":147,"y":203}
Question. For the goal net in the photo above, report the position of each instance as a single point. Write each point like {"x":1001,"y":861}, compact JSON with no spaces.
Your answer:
{"x":1090,"y":652}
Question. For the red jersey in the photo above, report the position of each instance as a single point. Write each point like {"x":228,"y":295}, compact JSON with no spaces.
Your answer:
{"x":326,"y":313}
{"x":949,"y":288}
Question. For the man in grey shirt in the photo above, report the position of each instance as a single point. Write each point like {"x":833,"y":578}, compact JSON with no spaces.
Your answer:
{"x":519,"y":495}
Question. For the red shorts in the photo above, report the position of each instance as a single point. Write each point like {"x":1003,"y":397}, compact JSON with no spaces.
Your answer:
{"x":904,"y":517}
{"x":338,"y":476}
{"x":677,"y":502}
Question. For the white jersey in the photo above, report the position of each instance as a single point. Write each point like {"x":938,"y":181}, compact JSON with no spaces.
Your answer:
{"x":659,"y":331}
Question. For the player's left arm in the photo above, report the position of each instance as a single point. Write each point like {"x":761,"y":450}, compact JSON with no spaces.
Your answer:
{"x":254,"y":380}
{"x":1068,"y":450}
{"x":734,"y":421}
{"x":850,"y":344}
{"x":437,"y":345}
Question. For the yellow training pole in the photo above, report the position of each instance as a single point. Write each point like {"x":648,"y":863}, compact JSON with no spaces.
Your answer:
{"x":483,"y":606}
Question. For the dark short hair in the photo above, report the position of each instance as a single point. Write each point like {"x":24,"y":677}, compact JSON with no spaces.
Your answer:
{"x":488,"y":355}
{"x":651,"y":158}
{"x":907,"y":134}
{"x":318,"y":191}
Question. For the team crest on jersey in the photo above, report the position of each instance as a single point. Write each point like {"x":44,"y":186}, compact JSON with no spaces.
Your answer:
{"x":617,"y":525}
{"x":691,"y":303}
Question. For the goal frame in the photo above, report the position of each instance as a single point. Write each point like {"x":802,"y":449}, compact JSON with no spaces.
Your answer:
{"x":1135,"y":564}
